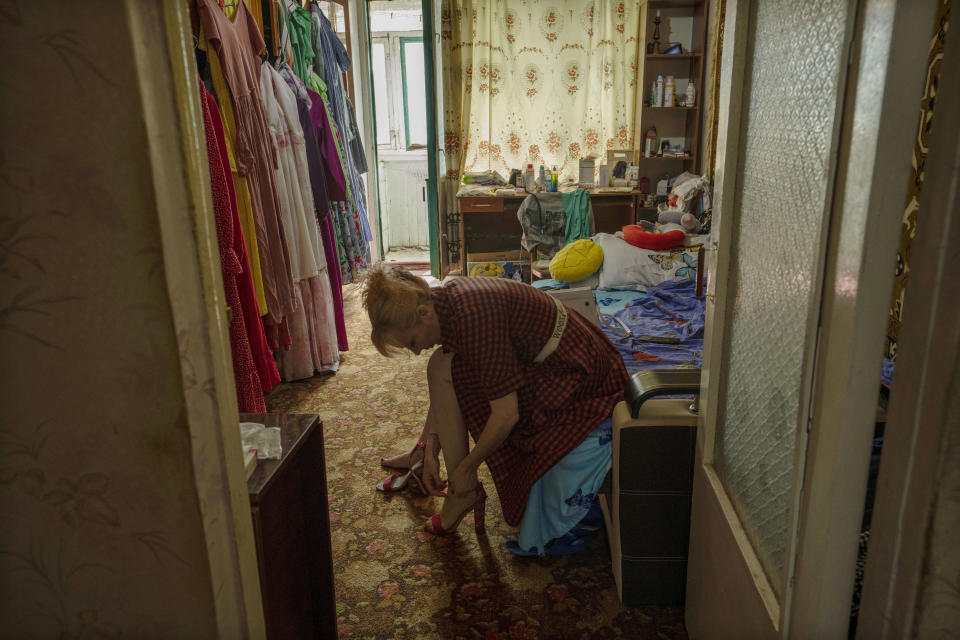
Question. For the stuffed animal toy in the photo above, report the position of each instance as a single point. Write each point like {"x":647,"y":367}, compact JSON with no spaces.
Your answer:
{"x":674,"y":216}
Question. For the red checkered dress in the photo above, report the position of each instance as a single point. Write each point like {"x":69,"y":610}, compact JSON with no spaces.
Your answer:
{"x":496,"y":328}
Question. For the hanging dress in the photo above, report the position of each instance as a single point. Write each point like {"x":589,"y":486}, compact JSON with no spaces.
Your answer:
{"x":321,"y":200}
{"x":262,"y":356}
{"x":353,"y":251}
{"x":240,"y":186}
{"x":333,"y":61}
{"x":249,"y":391}
{"x":238,"y":43}
{"x":312,"y":327}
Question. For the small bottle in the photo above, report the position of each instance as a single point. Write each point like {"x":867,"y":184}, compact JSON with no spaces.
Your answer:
{"x":528,"y":179}
{"x":669,"y":90}
{"x":653,"y":94}
{"x":691,"y":94}
{"x":543,"y":179}
{"x":658,"y":99}
{"x":554,"y":179}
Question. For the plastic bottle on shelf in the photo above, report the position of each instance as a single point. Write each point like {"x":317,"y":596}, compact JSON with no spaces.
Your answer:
{"x":543,"y":179}
{"x":691,"y":94}
{"x":669,"y":91}
{"x":658,"y":99}
{"x":554,"y":179}
{"x":528,"y":183}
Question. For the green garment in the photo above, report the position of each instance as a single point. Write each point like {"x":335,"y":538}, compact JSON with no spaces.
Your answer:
{"x":298,"y":23}
{"x":576,"y":205}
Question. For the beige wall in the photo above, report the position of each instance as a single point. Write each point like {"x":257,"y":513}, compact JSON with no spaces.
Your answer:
{"x":938,"y":603}
{"x":101,"y":524}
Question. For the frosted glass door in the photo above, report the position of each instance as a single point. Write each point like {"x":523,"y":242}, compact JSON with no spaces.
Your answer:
{"x":790,"y":118}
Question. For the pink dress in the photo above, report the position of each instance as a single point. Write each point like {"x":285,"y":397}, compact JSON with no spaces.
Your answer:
{"x":238,"y":43}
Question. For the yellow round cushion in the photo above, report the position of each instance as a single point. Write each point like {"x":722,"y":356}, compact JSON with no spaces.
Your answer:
{"x":576,"y":261}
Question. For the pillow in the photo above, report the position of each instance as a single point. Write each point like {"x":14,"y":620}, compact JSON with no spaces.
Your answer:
{"x":625,"y":265}
{"x":640,"y":237}
{"x":576,"y":261}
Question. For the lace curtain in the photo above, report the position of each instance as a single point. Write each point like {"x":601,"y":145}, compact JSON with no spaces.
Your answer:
{"x":541,"y":81}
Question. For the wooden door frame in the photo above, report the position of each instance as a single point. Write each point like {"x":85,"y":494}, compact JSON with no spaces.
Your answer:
{"x":163,"y":52}
{"x":433,"y":173}
{"x":865,"y":200}
{"x":924,"y":383}
{"x":884,"y":83}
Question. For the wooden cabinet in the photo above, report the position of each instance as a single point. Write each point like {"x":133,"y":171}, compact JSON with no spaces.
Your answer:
{"x":291,"y":523}
{"x":490,"y":230}
{"x":684,"y":22}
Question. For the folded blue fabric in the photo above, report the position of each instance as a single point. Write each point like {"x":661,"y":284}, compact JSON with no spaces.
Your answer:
{"x":564,"y":545}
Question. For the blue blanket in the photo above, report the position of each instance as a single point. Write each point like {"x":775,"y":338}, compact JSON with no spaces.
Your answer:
{"x":668,"y":310}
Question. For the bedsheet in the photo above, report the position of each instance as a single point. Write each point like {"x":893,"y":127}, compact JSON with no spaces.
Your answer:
{"x":667,"y":310}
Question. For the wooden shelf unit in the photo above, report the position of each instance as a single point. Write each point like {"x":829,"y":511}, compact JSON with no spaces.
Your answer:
{"x":683,"y":21}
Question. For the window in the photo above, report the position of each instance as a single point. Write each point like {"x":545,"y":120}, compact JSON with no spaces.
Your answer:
{"x":380,"y":93}
{"x":414,"y":92}
{"x":399,"y":91}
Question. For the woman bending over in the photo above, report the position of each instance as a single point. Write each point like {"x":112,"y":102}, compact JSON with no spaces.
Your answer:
{"x":532,"y":382}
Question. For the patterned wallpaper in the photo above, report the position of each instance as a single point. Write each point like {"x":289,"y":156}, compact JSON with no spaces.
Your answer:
{"x":938,"y":603}
{"x":100,"y":521}
{"x":927,"y":104}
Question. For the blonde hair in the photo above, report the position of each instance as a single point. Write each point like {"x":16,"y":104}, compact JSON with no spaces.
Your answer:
{"x":391,"y":297}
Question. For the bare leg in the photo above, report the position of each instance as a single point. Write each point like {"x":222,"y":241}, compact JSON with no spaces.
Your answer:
{"x":449,"y":426}
{"x":406,"y":459}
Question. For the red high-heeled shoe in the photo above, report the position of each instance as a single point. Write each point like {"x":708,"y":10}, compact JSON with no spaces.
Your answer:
{"x":435,"y":526}
{"x":420,"y":446}
{"x":398,"y":482}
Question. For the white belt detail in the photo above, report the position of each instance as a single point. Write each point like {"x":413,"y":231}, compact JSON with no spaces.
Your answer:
{"x":558,"y":328}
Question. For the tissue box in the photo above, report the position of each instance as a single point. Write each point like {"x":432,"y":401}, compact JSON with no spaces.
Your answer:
{"x":587,"y":166}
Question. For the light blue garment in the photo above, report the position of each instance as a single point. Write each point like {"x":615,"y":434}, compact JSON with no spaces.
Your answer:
{"x":563,"y":495}
{"x":549,"y":283}
{"x":336,"y":62}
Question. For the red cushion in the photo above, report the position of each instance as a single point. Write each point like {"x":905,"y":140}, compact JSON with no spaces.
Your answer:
{"x":638,"y":237}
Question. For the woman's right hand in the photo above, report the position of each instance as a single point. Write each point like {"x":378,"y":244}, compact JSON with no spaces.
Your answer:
{"x":431,"y":467}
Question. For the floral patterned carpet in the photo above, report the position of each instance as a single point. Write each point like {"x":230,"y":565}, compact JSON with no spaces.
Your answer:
{"x":394,"y":579}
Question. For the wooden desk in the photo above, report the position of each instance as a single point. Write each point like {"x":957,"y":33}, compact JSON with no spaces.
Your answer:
{"x":489,"y":225}
{"x":291,"y":523}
